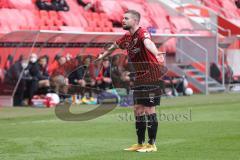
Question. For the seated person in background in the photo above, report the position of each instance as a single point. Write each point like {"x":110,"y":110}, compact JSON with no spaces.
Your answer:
{"x":177,"y":85}
{"x":58,"y":81}
{"x":76,"y":77}
{"x":18,"y":70}
{"x":228,"y":74}
{"x":237,"y":2}
{"x":59,"y":69}
{"x":86,"y":5}
{"x":60,"y":5}
{"x":89,"y":77}
{"x":43,"y":75}
{"x":54,"y":65}
{"x":44,"y":5}
{"x":9,"y":62}
{"x":34,"y":72}
{"x":215,"y":72}
{"x":104,"y":80}
{"x":1,"y":72}
{"x":120,"y":77}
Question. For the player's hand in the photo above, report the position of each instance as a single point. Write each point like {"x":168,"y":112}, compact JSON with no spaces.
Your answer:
{"x":160,"y":57}
{"x":100,"y":56}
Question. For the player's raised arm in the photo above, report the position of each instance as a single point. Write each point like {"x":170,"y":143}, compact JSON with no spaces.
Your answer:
{"x":108,"y":51}
{"x":153,"y":49}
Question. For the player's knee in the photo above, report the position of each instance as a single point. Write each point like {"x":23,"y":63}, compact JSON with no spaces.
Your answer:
{"x":138,"y":110}
{"x":149,"y":110}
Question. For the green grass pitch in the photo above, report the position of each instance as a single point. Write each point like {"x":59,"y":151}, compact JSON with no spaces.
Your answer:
{"x":191,"y":128}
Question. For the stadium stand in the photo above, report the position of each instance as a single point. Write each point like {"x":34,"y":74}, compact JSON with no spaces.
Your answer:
{"x":109,"y":13}
{"x":223,"y":8}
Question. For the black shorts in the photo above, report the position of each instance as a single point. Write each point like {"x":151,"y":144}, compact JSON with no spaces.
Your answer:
{"x":147,"y":96}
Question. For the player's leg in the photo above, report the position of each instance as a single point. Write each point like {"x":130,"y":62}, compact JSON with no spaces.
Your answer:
{"x":152,"y":126}
{"x":152,"y":123}
{"x":140,"y":124}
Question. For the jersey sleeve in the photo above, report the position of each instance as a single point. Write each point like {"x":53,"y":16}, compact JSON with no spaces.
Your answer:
{"x":121,"y":42}
{"x":144,"y":34}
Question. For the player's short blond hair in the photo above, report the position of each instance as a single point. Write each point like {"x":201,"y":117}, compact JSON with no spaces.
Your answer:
{"x":134,"y":13}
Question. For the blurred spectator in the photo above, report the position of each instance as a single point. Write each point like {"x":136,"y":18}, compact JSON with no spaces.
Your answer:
{"x":44,"y":5}
{"x":69,"y":57}
{"x":57,"y":5}
{"x":76,"y":77}
{"x":58,"y":66}
{"x":215,"y":72}
{"x":176,"y":85}
{"x":43,"y":76}
{"x":54,"y":65}
{"x":119,"y":76}
{"x":104,"y":80}
{"x":18,"y":71}
{"x":237,"y":2}
{"x":60,"y":5}
{"x":9,"y":62}
{"x":228,"y":74}
{"x":35,"y":74}
{"x":86,"y":5}
{"x":89,"y":77}
{"x":1,"y":72}
{"x":58,"y":81}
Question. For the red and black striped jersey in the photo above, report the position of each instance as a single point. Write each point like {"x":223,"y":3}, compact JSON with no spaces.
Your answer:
{"x":137,"y":52}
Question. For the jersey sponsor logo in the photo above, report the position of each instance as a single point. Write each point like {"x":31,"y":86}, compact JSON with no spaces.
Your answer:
{"x":132,"y":49}
{"x":133,"y":52}
{"x":151,"y":97}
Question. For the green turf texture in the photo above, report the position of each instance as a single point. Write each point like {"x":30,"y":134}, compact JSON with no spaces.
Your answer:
{"x":208,"y":129}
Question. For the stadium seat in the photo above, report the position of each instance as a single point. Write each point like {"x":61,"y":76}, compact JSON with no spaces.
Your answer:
{"x":22,"y":4}
{"x":68,"y":28}
{"x":4,"y":28}
{"x":53,"y":14}
{"x":113,"y":10}
{"x":230,"y":6}
{"x":4,"y":4}
{"x":170,"y":46}
{"x":44,"y":28}
{"x":103,"y":16}
{"x":43,"y":14}
{"x":181,"y":24}
{"x":57,"y":23}
{"x":55,"y":28}
{"x":30,"y":17}
{"x":49,"y":22}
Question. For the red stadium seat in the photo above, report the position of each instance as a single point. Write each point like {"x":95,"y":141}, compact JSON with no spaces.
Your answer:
{"x":181,"y":24}
{"x":112,"y":9}
{"x":22,"y":4}
{"x":35,"y":28}
{"x":49,"y":22}
{"x":92,"y":23}
{"x":58,"y":23}
{"x":103,"y":16}
{"x":68,"y":28}
{"x":53,"y":14}
{"x":24,"y":28}
{"x":44,"y":28}
{"x":43,"y":14}
{"x":4,"y":29}
{"x":53,"y":28}
{"x":30,"y":17}
{"x":97,"y":29}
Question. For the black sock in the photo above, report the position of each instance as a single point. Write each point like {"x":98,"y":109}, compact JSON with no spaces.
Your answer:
{"x":152,"y":126}
{"x":141,"y":128}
